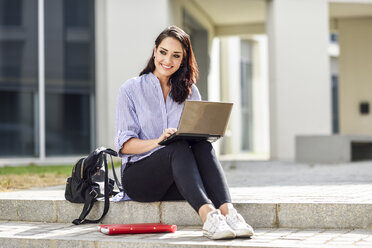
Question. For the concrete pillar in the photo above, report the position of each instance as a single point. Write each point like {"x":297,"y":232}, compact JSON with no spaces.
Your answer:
{"x":261,"y":133}
{"x":230,"y":91}
{"x":124,"y":43}
{"x":299,"y":79}
{"x":214,"y":87}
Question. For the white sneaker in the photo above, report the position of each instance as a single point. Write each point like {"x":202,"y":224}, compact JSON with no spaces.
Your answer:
{"x":215,"y":227}
{"x":238,"y":224}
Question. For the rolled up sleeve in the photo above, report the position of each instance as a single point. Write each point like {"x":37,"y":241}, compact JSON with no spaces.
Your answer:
{"x":126,"y":120}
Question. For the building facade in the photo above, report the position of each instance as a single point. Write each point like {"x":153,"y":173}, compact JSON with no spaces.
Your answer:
{"x":63,"y":61}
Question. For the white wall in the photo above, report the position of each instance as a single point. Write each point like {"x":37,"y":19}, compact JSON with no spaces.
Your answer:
{"x":355,"y":74}
{"x":300,"y":97}
{"x":176,"y":16}
{"x":125,"y":35}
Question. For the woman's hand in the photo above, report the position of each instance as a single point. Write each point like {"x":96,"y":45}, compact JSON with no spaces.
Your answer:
{"x":138,"y":146}
{"x":166,"y":133}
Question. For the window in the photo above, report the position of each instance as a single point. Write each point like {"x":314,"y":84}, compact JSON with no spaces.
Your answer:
{"x":18,"y":78}
{"x":69,"y":77}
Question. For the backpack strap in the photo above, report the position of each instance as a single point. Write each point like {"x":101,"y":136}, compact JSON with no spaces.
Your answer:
{"x":90,"y":199}
{"x":115,"y":176}
{"x":113,"y":153}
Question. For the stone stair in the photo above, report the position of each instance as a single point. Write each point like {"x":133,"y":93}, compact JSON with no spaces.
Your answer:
{"x":327,"y":213}
{"x":42,"y":218}
{"x":51,"y":207}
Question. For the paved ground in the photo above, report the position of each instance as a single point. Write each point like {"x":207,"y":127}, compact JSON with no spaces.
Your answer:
{"x":42,"y":235}
{"x":302,"y":183}
{"x":275,"y":173}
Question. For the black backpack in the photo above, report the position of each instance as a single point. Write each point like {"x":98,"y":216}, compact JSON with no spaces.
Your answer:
{"x":89,"y":180}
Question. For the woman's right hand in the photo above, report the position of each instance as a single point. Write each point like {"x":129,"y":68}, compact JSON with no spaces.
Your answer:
{"x":166,"y":133}
{"x":138,"y":146}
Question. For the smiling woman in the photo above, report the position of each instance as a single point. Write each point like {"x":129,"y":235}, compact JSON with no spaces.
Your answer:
{"x":168,"y":58}
{"x":148,"y":110}
{"x":173,"y":63}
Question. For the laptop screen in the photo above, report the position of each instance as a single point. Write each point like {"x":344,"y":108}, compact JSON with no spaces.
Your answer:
{"x":204,"y":117}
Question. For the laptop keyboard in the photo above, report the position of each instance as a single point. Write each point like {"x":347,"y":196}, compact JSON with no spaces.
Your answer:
{"x":169,"y":137}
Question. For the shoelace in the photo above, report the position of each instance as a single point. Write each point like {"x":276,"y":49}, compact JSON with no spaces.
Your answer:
{"x":238,"y":220}
{"x":219,"y":222}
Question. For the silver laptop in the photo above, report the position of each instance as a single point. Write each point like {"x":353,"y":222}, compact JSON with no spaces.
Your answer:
{"x":201,"y":120}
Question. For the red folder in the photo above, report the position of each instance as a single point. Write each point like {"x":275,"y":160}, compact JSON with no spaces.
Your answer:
{"x":137,"y":228}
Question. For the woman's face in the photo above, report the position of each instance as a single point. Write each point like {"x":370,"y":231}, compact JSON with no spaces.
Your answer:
{"x":168,"y":57}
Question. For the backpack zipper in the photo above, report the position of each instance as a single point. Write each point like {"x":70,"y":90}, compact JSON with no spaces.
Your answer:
{"x":74,"y":168}
{"x":82,"y":169}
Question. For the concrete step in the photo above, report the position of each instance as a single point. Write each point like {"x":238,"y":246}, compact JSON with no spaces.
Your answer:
{"x":50,"y":206}
{"x":36,"y":234}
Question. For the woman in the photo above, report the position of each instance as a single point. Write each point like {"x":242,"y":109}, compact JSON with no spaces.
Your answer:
{"x":148,"y":110}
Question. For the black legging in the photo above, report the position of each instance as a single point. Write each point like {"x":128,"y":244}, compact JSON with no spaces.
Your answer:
{"x":179,"y":171}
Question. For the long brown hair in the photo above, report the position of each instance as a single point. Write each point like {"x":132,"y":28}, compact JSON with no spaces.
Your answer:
{"x":182,"y":80}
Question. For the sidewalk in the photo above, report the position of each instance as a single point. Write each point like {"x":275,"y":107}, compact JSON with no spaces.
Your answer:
{"x":67,"y":235}
{"x":302,"y":183}
{"x":315,"y":206}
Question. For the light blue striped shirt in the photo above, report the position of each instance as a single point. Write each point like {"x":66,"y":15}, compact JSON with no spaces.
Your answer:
{"x":142,"y":113}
